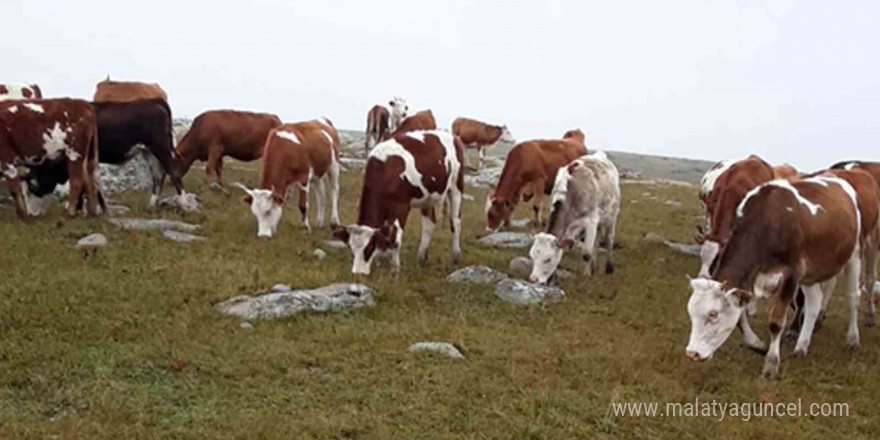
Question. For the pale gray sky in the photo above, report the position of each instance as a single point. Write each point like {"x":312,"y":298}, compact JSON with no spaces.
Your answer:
{"x":792,"y":81}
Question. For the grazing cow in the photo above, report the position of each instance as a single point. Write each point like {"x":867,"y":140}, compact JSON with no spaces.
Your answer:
{"x":585,"y":201}
{"x":421,"y":121}
{"x":20,"y":91}
{"x":784,"y":235}
{"x":296,"y":154}
{"x":219,"y":133}
{"x":530,"y":171}
{"x":416,"y":170}
{"x":46,"y":134}
{"x":722,"y":188}
{"x":382,"y":120}
{"x":127,"y":91}
{"x":481,"y":136}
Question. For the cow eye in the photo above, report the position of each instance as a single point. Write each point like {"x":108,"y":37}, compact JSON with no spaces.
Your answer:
{"x":547,"y":261}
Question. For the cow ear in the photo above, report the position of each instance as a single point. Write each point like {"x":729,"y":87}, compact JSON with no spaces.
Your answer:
{"x":739,"y":297}
{"x":341,"y":233}
{"x":565,"y":243}
{"x":387,"y":236}
{"x":391,"y":103}
{"x":247,"y":199}
{"x":277,"y":199}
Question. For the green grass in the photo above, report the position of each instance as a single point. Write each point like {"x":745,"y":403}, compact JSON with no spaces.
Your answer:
{"x":126,"y":344}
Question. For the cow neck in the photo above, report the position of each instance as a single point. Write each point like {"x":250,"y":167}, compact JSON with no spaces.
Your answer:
{"x":509,"y":183}
{"x":375,"y":206}
{"x":742,"y":257}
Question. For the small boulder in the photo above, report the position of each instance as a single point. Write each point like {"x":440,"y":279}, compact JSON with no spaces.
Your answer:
{"x":275,"y":305}
{"x":438,"y":347}
{"x":522,"y":266}
{"x":476,"y":274}
{"x":508,"y":240}
{"x":188,"y":202}
{"x":182,"y":237}
{"x":335,"y":244}
{"x":521,"y":293}
{"x":281,"y":288}
{"x":520,"y":223}
{"x":246,"y":325}
{"x":118,"y":209}
{"x":153,"y":224}
{"x":92,"y":241}
{"x":319,"y":254}
{"x":467,"y":197}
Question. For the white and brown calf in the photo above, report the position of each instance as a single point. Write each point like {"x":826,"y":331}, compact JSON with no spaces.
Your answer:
{"x":784,"y":235}
{"x":296,"y":154}
{"x":416,"y":170}
{"x":382,"y":120}
{"x":585,"y":202}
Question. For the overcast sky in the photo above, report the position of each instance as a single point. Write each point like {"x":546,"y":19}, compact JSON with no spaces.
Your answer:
{"x":791,"y":81}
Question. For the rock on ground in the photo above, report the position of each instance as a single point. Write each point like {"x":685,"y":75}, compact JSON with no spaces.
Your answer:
{"x":520,"y":222}
{"x":467,"y":197}
{"x":274,"y":305}
{"x":523,"y":266}
{"x":335,"y":244}
{"x":92,"y":241}
{"x":189,"y":202}
{"x":133,"y":175}
{"x":438,"y":347}
{"x":476,"y":274}
{"x":319,"y":254}
{"x":508,"y":240}
{"x":182,"y":237}
{"x":521,"y":293}
{"x":689,"y":249}
{"x":117,"y":209}
{"x":485,"y":179}
{"x":153,"y":224}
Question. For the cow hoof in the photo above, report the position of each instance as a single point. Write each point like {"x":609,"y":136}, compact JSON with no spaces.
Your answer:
{"x":771,"y":369}
{"x":790,"y":336}
{"x":869,"y":319}
{"x":800,"y":353}
{"x":852,"y":344}
{"x":423,"y":261}
{"x":609,"y":268}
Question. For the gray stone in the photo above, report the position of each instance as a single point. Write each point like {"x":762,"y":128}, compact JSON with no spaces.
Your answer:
{"x":438,"y":347}
{"x":92,"y":241}
{"x":274,"y":305}
{"x":281,"y":288}
{"x":673,"y":203}
{"x":246,"y":325}
{"x":689,"y":249}
{"x":522,"y":293}
{"x":319,"y":254}
{"x":520,"y":223}
{"x":476,"y":274}
{"x":508,"y":240}
{"x":485,"y":179}
{"x":188,"y":202}
{"x":181,"y":237}
{"x":153,"y":224}
{"x":522,"y":266}
{"x":133,"y":175}
{"x":467,"y":197}
{"x":117,"y":209}
{"x":335,"y":244}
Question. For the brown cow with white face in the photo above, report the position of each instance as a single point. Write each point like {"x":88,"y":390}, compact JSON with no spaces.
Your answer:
{"x":414,"y":170}
{"x":530,"y":171}
{"x":382,"y":120}
{"x":784,"y":235}
{"x":218,"y":133}
{"x":421,"y":121}
{"x":481,"y":136}
{"x":298,"y":154}
{"x":42,"y":134}
{"x":126,"y":91}
{"x":20,"y":91}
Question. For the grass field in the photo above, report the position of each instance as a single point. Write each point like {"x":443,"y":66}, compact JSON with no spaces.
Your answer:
{"x":127,"y":345}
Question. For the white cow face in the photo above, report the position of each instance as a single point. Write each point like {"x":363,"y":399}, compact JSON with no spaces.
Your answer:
{"x":399,"y":108}
{"x":506,"y":136}
{"x":36,"y":206}
{"x":546,"y":253}
{"x":266,"y":206}
{"x":366,"y":243}
{"x":714,"y":311}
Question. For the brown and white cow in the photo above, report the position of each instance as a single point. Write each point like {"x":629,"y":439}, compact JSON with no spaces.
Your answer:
{"x":20,"y":91}
{"x":43,"y":134}
{"x":786,"y":171}
{"x":585,"y":202}
{"x":481,"y":136}
{"x":530,"y":171}
{"x":785,"y":235}
{"x":126,"y":91}
{"x":298,"y":154}
{"x":382,"y":120}
{"x":218,"y":133}
{"x":415,"y":170}
{"x":421,"y":121}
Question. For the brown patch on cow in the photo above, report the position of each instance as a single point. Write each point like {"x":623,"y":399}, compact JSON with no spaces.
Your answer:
{"x":3,"y":89}
{"x":474,"y":133}
{"x":423,"y":120}
{"x":786,"y":171}
{"x":729,"y":190}
{"x":127,"y":91}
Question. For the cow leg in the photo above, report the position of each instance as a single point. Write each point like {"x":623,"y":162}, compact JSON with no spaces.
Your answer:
{"x":304,"y":205}
{"x":812,"y":306}
{"x":852,"y":272}
{"x":401,"y":213}
{"x":334,"y":192}
{"x":609,"y":248}
{"x":750,"y":338}
{"x":158,"y":176}
{"x":481,"y":153}
{"x":781,"y":300}
{"x":869,"y":270}
{"x":537,"y":205}
{"x":591,"y":226}
{"x":455,"y":222}
{"x":320,"y":200}
{"x":428,"y":221}
{"x":10,"y":174}
{"x":78,"y":179}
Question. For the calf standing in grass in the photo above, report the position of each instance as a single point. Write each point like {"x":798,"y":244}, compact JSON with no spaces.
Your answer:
{"x":414,"y":170}
{"x":382,"y":120}
{"x":482,"y":136}
{"x":586,"y":202}
{"x":296,"y":154}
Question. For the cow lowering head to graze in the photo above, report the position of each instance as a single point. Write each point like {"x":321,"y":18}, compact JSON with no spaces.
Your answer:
{"x":721,"y":190}
{"x":126,"y":91}
{"x":481,"y":136}
{"x":784,"y":235}
{"x":20,"y":91}
{"x":421,"y":121}
{"x":218,"y":133}
{"x":529,"y":171}
{"x":298,"y":154}
{"x":47,"y":134}
{"x":585,"y":203}
{"x":382,"y":120}
{"x":415,"y":170}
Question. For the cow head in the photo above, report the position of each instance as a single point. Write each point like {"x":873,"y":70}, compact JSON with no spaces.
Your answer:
{"x":497,"y":211}
{"x":366,"y":242}
{"x":714,"y":310}
{"x":399,"y":108}
{"x":266,"y":206}
{"x":506,"y":136}
{"x":575,"y":134}
{"x":546,"y":253}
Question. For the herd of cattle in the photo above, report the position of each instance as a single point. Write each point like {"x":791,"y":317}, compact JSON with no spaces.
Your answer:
{"x":770,"y":232}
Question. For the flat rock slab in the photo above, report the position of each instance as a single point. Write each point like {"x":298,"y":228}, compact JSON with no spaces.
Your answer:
{"x":188,"y":202}
{"x":488,"y":177}
{"x":476,"y":274}
{"x":520,"y":222}
{"x":512,"y":240}
{"x":522,"y":293}
{"x":689,"y":249}
{"x":182,"y":237}
{"x":145,"y":224}
{"x":333,"y":298}
{"x":118,"y":209}
{"x":438,"y":347}
{"x":92,"y":241}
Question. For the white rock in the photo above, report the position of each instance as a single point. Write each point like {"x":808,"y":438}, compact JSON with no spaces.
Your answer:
{"x":521,"y":293}
{"x":181,"y":237}
{"x":153,"y":224}
{"x":188,"y":202}
{"x":487,"y":178}
{"x":467,"y":197}
{"x":92,"y":241}
{"x":246,"y":325}
{"x":508,"y":240}
{"x":319,"y":254}
{"x":438,"y":347}
{"x":332,"y":298}
{"x":335,"y":244}
{"x":689,"y":249}
{"x":520,"y":222}
{"x":281,"y":288}
{"x":476,"y":274}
